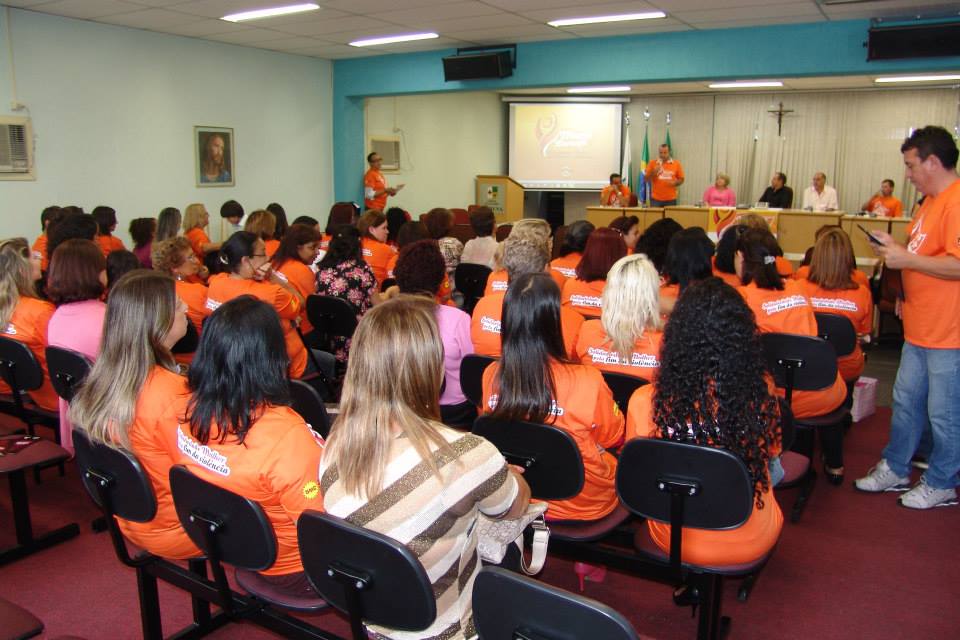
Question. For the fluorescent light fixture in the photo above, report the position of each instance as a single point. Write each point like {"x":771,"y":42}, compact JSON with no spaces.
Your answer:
{"x":751,"y":84}
{"x":372,"y":42}
{"x":256,"y":14}
{"x":952,"y":76}
{"x":607,"y":89}
{"x":569,"y":22}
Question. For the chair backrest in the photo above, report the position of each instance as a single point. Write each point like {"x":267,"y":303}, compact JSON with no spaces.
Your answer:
{"x":553,"y":466}
{"x":503,"y":230}
{"x":114,"y":479}
{"x":308,"y":403}
{"x":332,"y":316}
{"x":225,"y":526}
{"x":715,"y":484}
{"x":559,"y":234}
{"x":463,"y":232}
{"x":622,"y":387}
{"x":355,"y":568}
{"x":799,"y":363}
{"x":634,"y":200}
{"x":508,"y":605}
{"x":471,"y":280}
{"x":471,"y":376}
{"x":67,"y":369}
{"x":460,"y":216}
{"x":18,"y":366}
{"x":188,"y":343}
{"x":838,"y":331}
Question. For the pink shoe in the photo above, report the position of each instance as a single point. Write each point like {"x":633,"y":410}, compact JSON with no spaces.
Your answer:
{"x":590,"y":572}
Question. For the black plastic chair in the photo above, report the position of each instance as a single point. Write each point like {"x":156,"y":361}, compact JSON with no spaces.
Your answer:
{"x":553,"y":467}
{"x":331,"y":317}
{"x":687,"y":485}
{"x":67,"y":369}
{"x":189,"y":342}
{"x":838,"y":331}
{"x":622,"y":387}
{"x":507,"y":605}
{"x":117,"y":483}
{"x":805,"y":363}
{"x":471,"y":280}
{"x":234,"y":530}
{"x":308,"y":403}
{"x":367,"y":575}
{"x":22,"y":373}
{"x":471,"y":376}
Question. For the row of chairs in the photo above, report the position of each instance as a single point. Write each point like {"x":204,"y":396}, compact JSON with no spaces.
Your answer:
{"x":370,"y":577}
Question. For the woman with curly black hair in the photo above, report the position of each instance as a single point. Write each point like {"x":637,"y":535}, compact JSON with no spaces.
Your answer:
{"x":713,"y":380}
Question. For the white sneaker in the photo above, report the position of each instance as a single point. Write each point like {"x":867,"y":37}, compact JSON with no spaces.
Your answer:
{"x":923,"y":496}
{"x":882,"y":478}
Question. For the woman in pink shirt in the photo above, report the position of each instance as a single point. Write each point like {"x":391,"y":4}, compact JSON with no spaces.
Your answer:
{"x":720,"y":194}
{"x":420,"y":270}
{"x":75,"y":283}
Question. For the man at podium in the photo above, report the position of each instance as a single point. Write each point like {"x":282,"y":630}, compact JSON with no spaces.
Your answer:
{"x":615,"y":194}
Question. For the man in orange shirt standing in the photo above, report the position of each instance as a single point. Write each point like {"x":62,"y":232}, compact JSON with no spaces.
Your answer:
{"x":664,"y":174}
{"x":925,"y":392}
{"x":375,"y":189}
{"x":615,"y":194}
{"x":884,"y":203}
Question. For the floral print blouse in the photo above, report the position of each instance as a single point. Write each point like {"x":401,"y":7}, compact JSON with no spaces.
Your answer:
{"x":353,"y":281}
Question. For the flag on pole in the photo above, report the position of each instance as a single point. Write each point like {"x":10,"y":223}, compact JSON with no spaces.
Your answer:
{"x":643,"y":187}
{"x":626,"y":167}
{"x":669,"y":146}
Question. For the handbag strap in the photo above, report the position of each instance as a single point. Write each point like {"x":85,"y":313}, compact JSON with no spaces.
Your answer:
{"x":538,"y":555}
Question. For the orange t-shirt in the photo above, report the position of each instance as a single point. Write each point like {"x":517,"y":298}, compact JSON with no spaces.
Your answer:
{"x":197,"y":237}
{"x":731,"y":279}
{"x":270,"y":247}
{"x":304,"y":280}
{"x":224,"y":288}
{"x":485,"y":326}
{"x":789,"y":311}
{"x":28,"y":325}
{"x":325,"y":241}
{"x":194,"y":295}
{"x":276,"y":466}
{"x":160,"y":406}
{"x":565,"y":268}
{"x":748,"y":542}
{"x":595,"y":348}
{"x":109,"y":244}
{"x":584,"y":297}
{"x":612,"y":196}
{"x":585,"y":409}
{"x":931,"y":305}
{"x":856,"y":275}
{"x":373,"y":179}
{"x":889,"y":206}
{"x":854,"y":304}
{"x":661,"y":186}
{"x":784,"y":267}
{"x":497,"y":282}
{"x":378,"y":255}
{"x":39,"y":249}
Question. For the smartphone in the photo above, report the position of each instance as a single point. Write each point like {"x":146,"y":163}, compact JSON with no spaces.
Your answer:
{"x":870,"y":236}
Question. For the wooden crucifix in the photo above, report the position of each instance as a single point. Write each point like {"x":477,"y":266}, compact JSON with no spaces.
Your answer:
{"x":780,"y":112}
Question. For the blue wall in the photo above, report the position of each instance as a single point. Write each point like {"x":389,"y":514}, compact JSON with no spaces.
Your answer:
{"x":820,"y":49}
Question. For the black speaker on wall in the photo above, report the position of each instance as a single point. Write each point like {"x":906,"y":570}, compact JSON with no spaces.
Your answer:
{"x":914,"y":41}
{"x":477,"y":65}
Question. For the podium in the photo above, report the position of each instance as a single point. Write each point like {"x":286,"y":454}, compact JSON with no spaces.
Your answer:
{"x":503,"y":195}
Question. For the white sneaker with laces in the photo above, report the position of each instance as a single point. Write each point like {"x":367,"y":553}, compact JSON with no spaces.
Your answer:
{"x":882,"y":478}
{"x":923,"y":496}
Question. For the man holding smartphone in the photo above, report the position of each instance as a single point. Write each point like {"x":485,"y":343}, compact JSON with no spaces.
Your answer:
{"x":926,"y":389}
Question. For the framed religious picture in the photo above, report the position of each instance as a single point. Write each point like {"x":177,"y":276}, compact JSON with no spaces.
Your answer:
{"x":214,"y":154}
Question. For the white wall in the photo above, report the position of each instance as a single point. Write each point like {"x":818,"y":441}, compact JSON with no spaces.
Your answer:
{"x":446,"y":141}
{"x":113,"y":112}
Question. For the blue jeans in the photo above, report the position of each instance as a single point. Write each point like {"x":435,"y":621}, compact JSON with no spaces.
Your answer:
{"x":662,"y":203}
{"x":927,"y":395}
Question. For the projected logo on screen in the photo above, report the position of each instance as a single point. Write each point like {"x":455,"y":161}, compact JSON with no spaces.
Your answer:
{"x":557,"y":142}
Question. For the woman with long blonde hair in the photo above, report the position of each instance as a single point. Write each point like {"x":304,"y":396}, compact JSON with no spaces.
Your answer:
{"x":626,"y":338}
{"x":388,"y":453}
{"x":134,"y":393}
{"x":24,"y":316}
{"x":195,"y":221}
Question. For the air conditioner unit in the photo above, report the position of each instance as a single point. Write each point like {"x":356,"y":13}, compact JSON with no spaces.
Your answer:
{"x":387,"y":148}
{"x":16,"y":139}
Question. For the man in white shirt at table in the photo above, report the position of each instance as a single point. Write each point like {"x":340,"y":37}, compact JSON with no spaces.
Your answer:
{"x":819,"y":196}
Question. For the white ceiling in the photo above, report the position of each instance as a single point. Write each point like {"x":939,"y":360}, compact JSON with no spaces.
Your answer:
{"x":460,"y":23}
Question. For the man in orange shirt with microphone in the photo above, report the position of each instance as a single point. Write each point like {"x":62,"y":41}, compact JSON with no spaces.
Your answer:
{"x":664,"y":174}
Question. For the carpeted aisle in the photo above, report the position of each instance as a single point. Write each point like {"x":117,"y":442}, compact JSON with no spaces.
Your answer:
{"x":856,"y":566}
